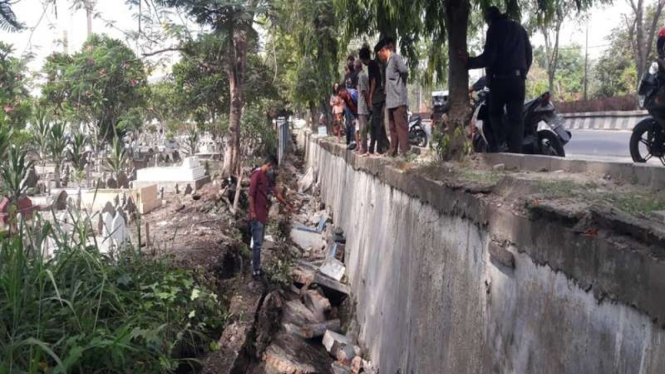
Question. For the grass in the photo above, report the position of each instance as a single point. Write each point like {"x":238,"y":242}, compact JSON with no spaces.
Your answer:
{"x":633,"y":202}
{"x":83,"y":311}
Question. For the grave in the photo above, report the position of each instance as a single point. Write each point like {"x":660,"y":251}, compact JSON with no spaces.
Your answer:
{"x":190,"y":172}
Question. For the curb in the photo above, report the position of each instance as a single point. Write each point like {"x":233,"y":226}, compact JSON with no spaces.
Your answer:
{"x":613,"y":121}
{"x":651,"y":176}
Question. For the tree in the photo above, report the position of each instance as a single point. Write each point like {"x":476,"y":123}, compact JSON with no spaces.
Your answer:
{"x":8,"y":21}
{"x":233,"y":21}
{"x":56,"y":146}
{"x":615,"y":71}
{"x":103,"y":83}
{"x":306,"y":32}
{"x":568,"y":82}
{"x":642,"y":26}
{"x":15,"y":101}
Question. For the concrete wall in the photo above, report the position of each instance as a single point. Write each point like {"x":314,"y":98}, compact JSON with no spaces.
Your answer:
{"x":431,"y":298}
{"x":617,"y":121}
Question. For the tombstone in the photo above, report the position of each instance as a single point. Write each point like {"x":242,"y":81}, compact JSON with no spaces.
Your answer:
{"x":111,"y":183}
{"x":123,"y":214}
{"x":176,"y":156}
{"x":100,"y":224}
{"x":108,"y":225}
{"x":108,"y":208}
{"x":60,"y":200}
{"x":116,"y":201}
{"x":177,"y":189}
{"x":124,"y":199}
{"x":123,"y":181}
{"x":32,"y":178}
{"x":161,"y":193}
{"x":188,"y":189}
{"x":88,"y":174}
{"x":65,"y":180}
{"x":130,"y":207}
{"x":118,"y":230}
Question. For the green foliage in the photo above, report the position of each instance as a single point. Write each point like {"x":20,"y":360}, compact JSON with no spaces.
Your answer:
{"x":82,"y":311}
{"x":258,"y":134}
{"x":15,"y":101}
{"x":76,"y":152}
{"x":117,"y":159}
{"x":13,"y":172}
{"x":615,"y":70}
{"x":103,"y":83}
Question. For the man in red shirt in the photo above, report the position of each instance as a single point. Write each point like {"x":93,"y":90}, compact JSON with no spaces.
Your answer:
{"x":260,"y":186}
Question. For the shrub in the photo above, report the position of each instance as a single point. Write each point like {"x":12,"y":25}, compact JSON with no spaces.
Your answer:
{"x":83,"y":311}
{"x":603,"y":104}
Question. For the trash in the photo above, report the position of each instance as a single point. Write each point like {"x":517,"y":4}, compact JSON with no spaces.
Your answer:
{"x":319,"y":228}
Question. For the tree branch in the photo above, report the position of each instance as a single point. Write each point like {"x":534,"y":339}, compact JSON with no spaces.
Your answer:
{"x":170,"y":49}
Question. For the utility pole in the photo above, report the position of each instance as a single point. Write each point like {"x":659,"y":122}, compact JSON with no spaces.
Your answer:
{"x":586,"y":63}
{"x":89,"y":7}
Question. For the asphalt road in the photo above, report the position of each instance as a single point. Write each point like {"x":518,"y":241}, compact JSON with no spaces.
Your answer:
{"x":601,"y":144}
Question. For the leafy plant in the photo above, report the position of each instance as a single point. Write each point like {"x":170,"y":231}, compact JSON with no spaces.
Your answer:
{"x":116,"y":161}
{"x":56,"y":146}
{"x":83,"y":311}
{"x":14,"y":171}
{"x":76,"y":153}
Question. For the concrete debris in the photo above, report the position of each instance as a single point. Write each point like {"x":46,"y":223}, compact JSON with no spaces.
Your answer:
{"x":316,"y":303}
{"x":313,"y":330}
{"x":334,"y":342}
{"x":307,"y":181}
{"x":306,"y":239}
{"x":297,"y":313}
{"x":307,"y":273}
{"x":499,"y":167}
{"x":369,"y":368}
{"x":356,"y":364}
{"x":333,"y":268}
{"x":188,"y":189}
{"x":289,"y":354}
{"x":346,"y":354}
{"x":339,"y":368}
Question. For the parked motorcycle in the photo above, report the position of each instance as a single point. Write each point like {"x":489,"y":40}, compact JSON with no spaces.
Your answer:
{"x":544,"y":130}
{"x":417,"y":134}
{"x":648,"y":138}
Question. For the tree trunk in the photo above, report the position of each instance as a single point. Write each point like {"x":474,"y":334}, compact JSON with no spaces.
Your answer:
{"x":314,"y":125}
{"x":640,"y":52}
{"x":89,"y":7}
{"x":236,"y":71}
{"x":457,"y":19}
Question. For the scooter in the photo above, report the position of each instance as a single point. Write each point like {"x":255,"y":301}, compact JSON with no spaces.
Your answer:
{"x":417,"y":135}
{"x":544,"y":128}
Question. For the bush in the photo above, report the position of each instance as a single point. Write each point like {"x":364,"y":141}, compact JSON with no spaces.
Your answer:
{"x":83,"y":311}
{"x":604,"y":104}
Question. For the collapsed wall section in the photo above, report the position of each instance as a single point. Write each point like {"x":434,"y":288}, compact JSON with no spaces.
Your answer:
{"x":435,"y":295}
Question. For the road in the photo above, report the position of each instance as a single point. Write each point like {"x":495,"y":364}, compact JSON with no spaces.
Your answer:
{"x":599,"y":144}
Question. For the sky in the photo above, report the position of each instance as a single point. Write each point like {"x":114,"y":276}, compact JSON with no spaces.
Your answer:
{"x":44,"y":29}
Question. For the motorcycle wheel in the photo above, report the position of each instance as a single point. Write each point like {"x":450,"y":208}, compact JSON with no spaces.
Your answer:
{"x":643,"y":136}
{"x":550,"y":145}
{"x":418,"y":137}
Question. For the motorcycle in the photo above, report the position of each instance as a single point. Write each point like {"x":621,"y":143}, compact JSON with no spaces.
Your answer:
{"x":648,"y":137}
{"x":544,"y":130}
{"x":417,"y":134}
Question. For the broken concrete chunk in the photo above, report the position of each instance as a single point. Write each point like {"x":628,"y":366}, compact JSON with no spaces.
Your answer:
{"x":290,"y":355}
{"x":356,"y":364}
{"x":333,"y":268}
{"x":307,"y":181}
{"x":313,"y":330}
{"x":334,"y":342}
{"x":297,"y":313}
{"x":339,"y":368}
{"x":501,"y":255}
{"x":305,"y":239}
{"x":346,"y":354}
{"x":316,"y":302}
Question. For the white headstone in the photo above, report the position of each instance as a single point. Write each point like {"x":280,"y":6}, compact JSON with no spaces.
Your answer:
{"x":107,"y":218}
{"x":118,"y":230}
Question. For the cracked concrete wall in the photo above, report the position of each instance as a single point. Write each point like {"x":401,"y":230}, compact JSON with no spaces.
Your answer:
{"x":431,"y":300}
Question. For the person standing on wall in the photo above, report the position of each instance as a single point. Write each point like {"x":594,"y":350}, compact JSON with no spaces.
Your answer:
{"x":363,"y":109}
{"x":260,"y":186}
{"x":378,"y":138}
{"x":397,"y":100}
{"x":507,"y":57}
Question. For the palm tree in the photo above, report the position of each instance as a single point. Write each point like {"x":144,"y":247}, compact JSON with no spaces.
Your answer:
{"x":56,"y":146}
{"x":40,"y":133}
{"x":8,"y":21}
{"x":77,"y":155}
{"x":116,"y":161}
{"x":13,"y":172}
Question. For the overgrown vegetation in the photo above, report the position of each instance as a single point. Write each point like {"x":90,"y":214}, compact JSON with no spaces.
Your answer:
{"x":83,"y":311}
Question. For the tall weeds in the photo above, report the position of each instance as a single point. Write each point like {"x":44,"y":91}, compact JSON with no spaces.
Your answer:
{"x":83,"y":311}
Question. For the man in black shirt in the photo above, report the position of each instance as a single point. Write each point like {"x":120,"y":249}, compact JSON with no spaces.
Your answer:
{"x":351,"y":77}
{"x":378,"y":137}
{"x":507,"y":58}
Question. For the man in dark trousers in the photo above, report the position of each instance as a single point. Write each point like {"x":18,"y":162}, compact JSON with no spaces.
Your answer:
{"x":396,"y":99}
{"x":507,"y":58}
{"x":378,"y":137}
{"x":261,"y":185}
